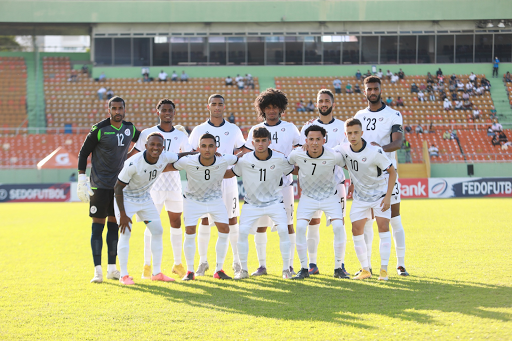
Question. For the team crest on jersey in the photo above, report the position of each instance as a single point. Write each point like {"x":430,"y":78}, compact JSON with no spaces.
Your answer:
{"x":324,"y":162}
{"x":197,"y":168}
{"x":283,"y":129}
{"x":175,"y":137}
{"x":363,"y":159}
{"x":272,"y":167}
{"x":93,"y":209}
{"x":144,"y":171}
{"x":304,"y":161}
{"x":380,"y":119}
{"x":127,"y":132}
{"x":335,"y":130}
{"x":131,"y":163}
{"x":226,"y":133}
{"x":252,"y":166}
{"x":216,"y":168}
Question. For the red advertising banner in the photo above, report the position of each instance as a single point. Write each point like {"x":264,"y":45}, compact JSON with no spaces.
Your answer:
{"x":413,"y":188}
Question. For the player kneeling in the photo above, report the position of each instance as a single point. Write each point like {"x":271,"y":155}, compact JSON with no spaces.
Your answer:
{"x":372,"y":190}
{"x":262,"y":174}
{"x":203,"y":195}
{"x":132,"y":196}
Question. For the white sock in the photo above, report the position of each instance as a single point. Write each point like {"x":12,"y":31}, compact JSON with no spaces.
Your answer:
{"x":302,"y":243}
{"x":293,"y":241}
{"x":368,"y":238}
{"x":123,"y":248}
{"x":399,"y":237}
{"x":385,"y":249}
{"x":313,"y":239}
{"x":243,"y":249}
{"x":233,"y":238}
{"x":111,"y":267}
{"x":260,"y":240}
{"x":176,"y":242}
{"x":340,"y":242}
{"x":360,"y":247}
{"x":221,"y":249}
{"x":203,"y":238}
{"x":147,"y":247}
{"x":284,"y":246}
{"x":157,"y":244}
{"x":189,"y":248}
{"x":98,"y":270}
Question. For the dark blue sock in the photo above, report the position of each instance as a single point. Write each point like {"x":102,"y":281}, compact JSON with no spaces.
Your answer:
{"x":112,"y":238}
{"x":97,"y":242}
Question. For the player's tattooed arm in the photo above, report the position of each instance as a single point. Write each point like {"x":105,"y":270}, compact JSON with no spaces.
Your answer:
{"x":386,"y":202}
{"x":229,"y":174}
{"x":124,"y":220}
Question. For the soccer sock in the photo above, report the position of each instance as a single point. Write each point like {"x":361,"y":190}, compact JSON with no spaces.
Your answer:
{"x":260,"y":240}
{"x":243,"y":249}
{"x":233,"y":238}
{"x":157,"y":244}
{"x":340,"y":242}
{"x":96,"y":242}
{"x":176,"y":242}
{"x":203,"y":238}
{"x":360,"y":247}
{"x":147,"y":247}
{"x":221,"y":249}
{"x":293,"y":241}
{"x":313,"y":240}
{"x":189,"y":248}
{"x":284,"y":245}
{"x":112,"y":238}
{"x":111,"y":267}
{"x":123,"y":248}
{"x":385,"y":249}
{"x":399,"y":237}
{"x":368,"y":238}
{"x":302,"y":243}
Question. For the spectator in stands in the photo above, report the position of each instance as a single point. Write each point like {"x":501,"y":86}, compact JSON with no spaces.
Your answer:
{"x":240,"y":83}
{"x":440,"y":80}
{"x":496,"y":126}
{"x":406,"y":146}
{"x":183,"y":77}
{"x":430,"y":87}
{"x":146,"y":79}
{"x":145,"y":72}
{"x":399,"y":102}
{"x":495,"y":67}
{"x":162,"y":76}
{"x":414,"y":88}
{"x":229,"y":81}
{"x":430,"y":79}
{"x":389,"y":101}
{"x":357,"y":89}
{"x":493,"y":113}
{"x":446,"y":135}
{"x":506,"y":145}
{"x":476,"y":113}
{"x":408,"y":128}
{"x":459,"y":105}
{"x":447,"y":105}
{"x":467,"y":105}
{"x":310,"y":107}
{"x":401,"y":74}
{"x":433,"y":151}
{"x":74,"y":76}
{"x":102,"y":77}
{"x":358,"y":75}
{"x":490,"y":132}
{"x":249,"y":81}
{"x":469,"y":88}
{"x":394,"y":79}
{"x":421,"y":96}
{"x":380,"y":74}
{"x":472,"y":78}
{"x":368,"y":74}
{"x":72,"y":178}
{"x":495,"y":140}
{"x":442,"y":95}
{"x":85,"y":69}
{"x":423,"y":87}
{"x":238,"y":78}
{"x":479,"y":91}
{"x":419,"y":129}
{"x":452,"y":87}
{"x":110,"y":93}
{"x":101,"y":93}
{"x":453,"y":135}
{"x":460,"y":86}
{"x":454,"y":96}
{"x":431,"y":129}
{"x":453,"y":77}
{"x":485,"y":83}
{"x":439,"y":72}
{"x":465,"y":96}
{"x":337,"y":85}
{"x":508,"y":77}
{"x":348,"y":88}
{"x":389,"y":74}
{"x":174,"y":76}
{"x":231,"y":118}
{"x":300,"y":106}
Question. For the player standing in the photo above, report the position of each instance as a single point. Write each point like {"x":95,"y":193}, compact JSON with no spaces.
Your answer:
{"x":229,"y":140}
{"x":132,"y":196}
{"x":335,"y":135}
{"x":318,"y":182}
{"x":203,"y":195}
{"x":270,"y":105}
{"x":382,"y":126}
{"x":167,"y":188}
{"x":108,"y":141}
{"x":262,"y":174}
{"x":366,"y":164}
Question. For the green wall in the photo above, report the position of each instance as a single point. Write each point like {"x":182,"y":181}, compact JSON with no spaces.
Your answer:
{"x":454,"y":170}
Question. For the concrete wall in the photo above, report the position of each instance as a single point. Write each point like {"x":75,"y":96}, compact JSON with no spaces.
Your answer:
{"x":455,"y":170}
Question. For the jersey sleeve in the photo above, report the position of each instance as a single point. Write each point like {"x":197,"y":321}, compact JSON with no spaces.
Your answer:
{"x":193,"y":139}
{"x":181,"y":163}
{"x":127,"y":172}
{"x":237,"y":169}
{"x":296,"y":136}
{"x":239,"y":141}
{"x":287,"y":167}
{"x":185,"y":145}
{"x":302,"y":137}
{"x":381,"y":160}
{"x":397,"y":121}
{"x":292,"y":157}
{"x":338,"y":156}
{"x":231,"y":159}
{"x":140,"y":145}
{"x":136,"y":134}
{"x":87,"y":148}
{"x":171,"y":157}
{"x":248,"y":143}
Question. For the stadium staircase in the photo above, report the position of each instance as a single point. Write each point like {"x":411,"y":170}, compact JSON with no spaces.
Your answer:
{"x":503,"y":103}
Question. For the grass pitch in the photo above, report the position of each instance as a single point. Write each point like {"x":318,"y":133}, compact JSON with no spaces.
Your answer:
{"x":458,"y":254}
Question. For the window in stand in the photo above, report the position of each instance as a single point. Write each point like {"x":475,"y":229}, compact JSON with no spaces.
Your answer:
{"x":503,"y":47}
{"x":483,"y":48}
{"x":141,"y":51}
{"x":161,"y":47}
{"x":426,"y":49}
{"x":351,"y":49}
{"x":198,"y":51}
{"x":236,"y":51}
{"x":407,"y":50}
{"x":275,"y":49}
{"x":217,"y":48}
{"x":294,"y":50}
{"x":103,"y":51}
{"x":445,"y":46}
{"x":255,"y":50}
{"x":179,"y":51}
{"x":464,"y":48}
{"x":312,"y":50}
{"x":388,"y":49}
{"x":370,"y":50}
{"x":332,"y":49}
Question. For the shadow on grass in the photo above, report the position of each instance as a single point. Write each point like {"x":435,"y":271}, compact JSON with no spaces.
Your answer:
{"x":322,"y":298}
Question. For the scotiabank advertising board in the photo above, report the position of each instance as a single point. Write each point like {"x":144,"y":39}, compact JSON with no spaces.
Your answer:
{"x":35,"y":193}
{"x":469,"y":187}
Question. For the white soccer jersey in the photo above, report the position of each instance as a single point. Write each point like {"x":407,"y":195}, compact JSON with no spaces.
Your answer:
{"x":379,"y":125}
{"x":204,"y":183}
{"x":175,"y":141}
{"x":227,"y":136}
{"x":316,"y":175}
{"x":335,"y":136}
{"x":140,"y":175}
{"x":284,"y":135}
{"x":263,"y":178}
{"x":366,"y":169}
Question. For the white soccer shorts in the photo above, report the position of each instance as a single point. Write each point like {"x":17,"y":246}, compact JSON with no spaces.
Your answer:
{"x":195,"y":210}
{"x":362,"y":210}
{"x":395,"y":195}
{"x":331,"y":206}
{"x":251,"y":214}
{"x":230,"y":196}
{"x":146,"y":210}
{"x":288,"y":201}
{"x":341,"y":192}
{"x":172,"y":200}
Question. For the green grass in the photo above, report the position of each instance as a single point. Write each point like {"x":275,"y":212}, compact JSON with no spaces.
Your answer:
{"x":458,"y":253}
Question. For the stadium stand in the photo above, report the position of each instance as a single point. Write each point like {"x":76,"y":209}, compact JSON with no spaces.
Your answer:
{"x":13,"y":91}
